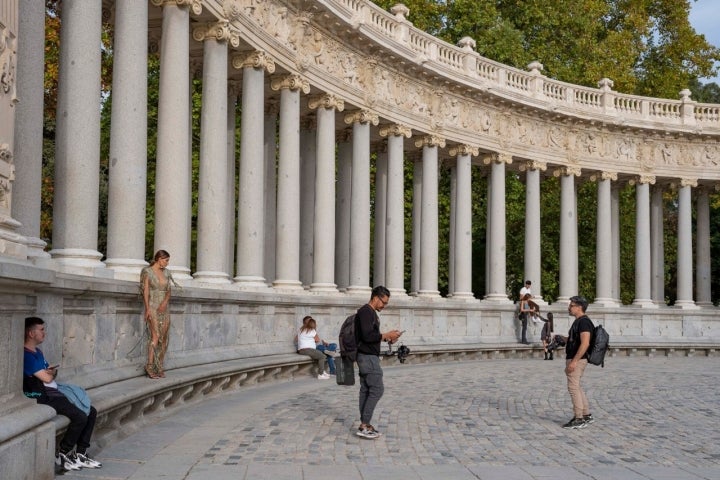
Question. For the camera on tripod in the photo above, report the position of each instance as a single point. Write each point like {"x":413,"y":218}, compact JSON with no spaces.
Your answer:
{"x":402,"y":352}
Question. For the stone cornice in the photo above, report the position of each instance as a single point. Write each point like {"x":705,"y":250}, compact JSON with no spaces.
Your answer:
{"x":410,"y":78}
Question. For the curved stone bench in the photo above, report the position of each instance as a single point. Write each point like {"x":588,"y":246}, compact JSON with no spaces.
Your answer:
{"x":126,"y":405}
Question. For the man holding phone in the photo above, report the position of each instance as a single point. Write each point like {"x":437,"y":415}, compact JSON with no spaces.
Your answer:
{"x":39,"y":383}
{"x":369,"y":338}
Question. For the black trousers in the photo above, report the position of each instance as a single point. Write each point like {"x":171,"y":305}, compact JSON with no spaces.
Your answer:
{"x":81,"y":426}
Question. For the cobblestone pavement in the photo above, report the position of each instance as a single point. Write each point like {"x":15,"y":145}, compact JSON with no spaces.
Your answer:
{"x":656,"y":418}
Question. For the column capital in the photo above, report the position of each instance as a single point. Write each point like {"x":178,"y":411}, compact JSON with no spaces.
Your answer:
{"x":219,"y":31}
{"x":496,"y":157}
{"x":597,"y":176}
{"x":464,"y":149}
{"x":567,"y":171}
{"x":430,"y":141}
{"x":290,"y":82}
{"x":361,"y":116}
{"x":642,"y":180}
{"x":532,"y":165}
{"x":255,"y":59}
{"x":395,"y":130}
{"x":195,"y":5}
{"x":689,"y":182}
{"x":327,"y":101}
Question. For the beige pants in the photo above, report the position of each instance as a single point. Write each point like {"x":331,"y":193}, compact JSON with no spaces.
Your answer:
{"x":581,"y":407}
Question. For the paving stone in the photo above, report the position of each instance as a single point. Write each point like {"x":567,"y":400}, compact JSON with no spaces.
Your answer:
{"x":656,"y":418}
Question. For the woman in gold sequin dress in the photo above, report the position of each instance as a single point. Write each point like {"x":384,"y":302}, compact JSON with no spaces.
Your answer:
{"x":155,"y":282}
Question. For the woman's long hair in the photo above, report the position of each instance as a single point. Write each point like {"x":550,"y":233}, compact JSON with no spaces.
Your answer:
{"x":308,"y":325}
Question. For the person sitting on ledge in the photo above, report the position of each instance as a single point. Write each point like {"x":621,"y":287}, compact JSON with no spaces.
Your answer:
{"x":307,"y":340}
{"x":68,"y":400}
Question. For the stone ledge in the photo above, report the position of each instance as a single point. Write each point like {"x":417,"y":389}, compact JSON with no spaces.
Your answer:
{"x":125,"y":406}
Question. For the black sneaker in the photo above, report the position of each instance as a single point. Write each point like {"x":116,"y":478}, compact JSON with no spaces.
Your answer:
{"x":65,"y":462}
{"x":575,"y":424}
{"x":589,"y":418}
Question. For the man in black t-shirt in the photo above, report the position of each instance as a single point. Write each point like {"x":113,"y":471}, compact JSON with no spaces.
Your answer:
{"x":576,"y":349}
{"x":369,"y":337}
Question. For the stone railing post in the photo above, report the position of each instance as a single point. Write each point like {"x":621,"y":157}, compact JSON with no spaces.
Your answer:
{"x":470,"y":58}
{"x":608,"y":97}
{"x":687,"y":108}
{"x":402,"y":33}
{"x":535,"y":85}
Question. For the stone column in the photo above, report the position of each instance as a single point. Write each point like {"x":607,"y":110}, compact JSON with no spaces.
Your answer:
{"x":603,"y":251}
{"x":128,"y":143}
{"x":533,"y":253}
{"x":703,"y":260}
{"x":234,"y":88}
{"x":568,"y":234}
{"x":416,"y":240}
{"x":342,"y":209}
{"x":380,"y":237}
{"x":251,"y":235}
{"x":452,"y":232}
{"x":429,"y":216}
{"x":657,"y":246}
{"x":360,"y":201}
{"x":615,"y":220}
{"x":287,"y":264}
{"x":395,"y":219}
{"x":496,"y":291}
{"x":308,"y":160}
{"x":28,"y":130}
{"x":77,"y":141}
{"x":684,"y":248}
{"x":324,"y":232}
{"x":212,"y":194}
{"x":462,"y":258}
{"x":173,"y":168}
{"x":270,"y":160}
{"x":642,"y":242}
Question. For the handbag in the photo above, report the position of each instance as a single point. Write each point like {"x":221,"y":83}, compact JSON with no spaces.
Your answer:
{"x":345,"y":371}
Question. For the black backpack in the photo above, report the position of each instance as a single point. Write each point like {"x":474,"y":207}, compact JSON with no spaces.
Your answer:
{"x":347,"y":341}
{"x":599,"y":344}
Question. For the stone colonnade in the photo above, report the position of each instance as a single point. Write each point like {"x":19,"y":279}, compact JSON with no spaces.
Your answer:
{"x":304,"y":227}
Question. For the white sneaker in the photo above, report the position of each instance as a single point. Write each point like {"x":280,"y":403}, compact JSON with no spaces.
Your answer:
{"x":86,"y":461}
{"x":323,"y":376}
{"x":66,"y":462}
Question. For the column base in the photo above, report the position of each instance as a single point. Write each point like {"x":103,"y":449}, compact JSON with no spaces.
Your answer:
{"x":643,"y":303}
{"x":605,"y":303}
{"x":686,"y":304}
{"x":323,"y":288}
{"x":12,"y":244}
{"x":216,"y":278}
{"x":180,"y":273}
{"x":357,"y":290}
{"x":250,"y":282}
{"x":295,"y":286}
{"x":397,"y":292}
{"x":705,"y":304}
{"x":126,"y":268}
{"x":80,"y":261}
{"x":36,"y":248}
{"x":428,"y":294}
{"x":497,"y":298}
{"x":463,"y":296}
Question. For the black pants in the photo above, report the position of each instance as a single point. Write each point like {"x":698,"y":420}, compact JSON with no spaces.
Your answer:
{"x":81,"y":426}
{"x":524,"y":320}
